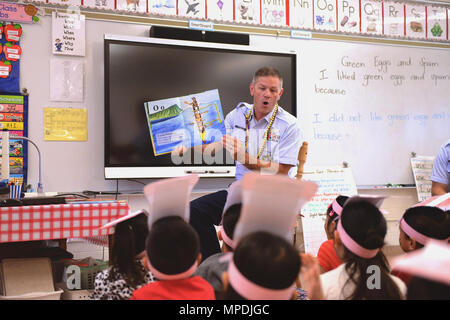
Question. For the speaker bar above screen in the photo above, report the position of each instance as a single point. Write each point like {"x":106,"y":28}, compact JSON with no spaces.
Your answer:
{"x":198,"y":35}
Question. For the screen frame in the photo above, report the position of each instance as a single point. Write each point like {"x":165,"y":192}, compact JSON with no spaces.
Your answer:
{"x":209,"y":171}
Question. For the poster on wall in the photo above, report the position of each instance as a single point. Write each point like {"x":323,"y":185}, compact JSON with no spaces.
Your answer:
{"x":301,"y":14}
{"x":372,"y":17}
{"x":65,"y":124}
{"x":248,"y":11}
{"x":132,"y":5}
{"x":348,"y":16}
{"x":415,"y":21}
{"x":163,"y":7}
{"x":325,"y":15}
{"x":394,"y":19}
{"x":66,"y":2}
{"x":273,"y":13}
{"x":66,"y":80}
{"x":100,"y":4}
{"x":436,"y":23}
{"x":10,"y":55}
{"x":221,"y":10}
{"x":16,"y":12}
{"x":14,"y":118}
{"x":192,"y":9}
{"x":68,"y":34}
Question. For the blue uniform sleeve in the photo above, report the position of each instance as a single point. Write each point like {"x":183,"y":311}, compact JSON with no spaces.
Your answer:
{"x":229,"y":122}
{"x":289,"y":145}
{"x":441,"y":166}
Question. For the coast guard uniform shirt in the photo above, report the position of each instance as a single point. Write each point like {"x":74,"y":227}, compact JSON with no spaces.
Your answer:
{"x":441,"y":166}
{"x":282,"y":145}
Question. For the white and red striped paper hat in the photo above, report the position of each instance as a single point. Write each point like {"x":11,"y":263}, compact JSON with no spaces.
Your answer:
{"x":431,"y":262}
{"x":271,"y":203}
{"x":234,"y":195}
{"x":124,"y":218}
{"x":441,"y":201}
{"x":170,"y":197}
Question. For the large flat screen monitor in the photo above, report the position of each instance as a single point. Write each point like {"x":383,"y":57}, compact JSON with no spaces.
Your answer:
{"x":138,"y":70}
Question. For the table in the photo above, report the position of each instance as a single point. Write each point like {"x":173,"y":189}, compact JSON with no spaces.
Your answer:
{"x":59,"y":221}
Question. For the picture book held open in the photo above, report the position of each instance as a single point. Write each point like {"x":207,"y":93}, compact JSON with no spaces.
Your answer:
{"x":190,"y":120}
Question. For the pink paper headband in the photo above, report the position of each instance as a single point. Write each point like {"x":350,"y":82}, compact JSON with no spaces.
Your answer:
{"x":162,"y":276}
{"x":419,"y":237}
{"x":226,"y":238}
{"x":252,"y":291}
{"x":353,"y":246}
{"x":335,"y":208}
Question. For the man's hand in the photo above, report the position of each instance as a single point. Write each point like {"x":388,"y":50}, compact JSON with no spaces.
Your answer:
{"x":234,"y":147}
{"x":438,"y":189}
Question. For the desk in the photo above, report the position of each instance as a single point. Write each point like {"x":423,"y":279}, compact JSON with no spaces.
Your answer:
{"x":58,"y":221}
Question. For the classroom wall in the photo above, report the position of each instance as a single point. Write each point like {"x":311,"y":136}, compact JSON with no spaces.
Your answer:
{"x":75,"y":166}
{"x":78,"y":166}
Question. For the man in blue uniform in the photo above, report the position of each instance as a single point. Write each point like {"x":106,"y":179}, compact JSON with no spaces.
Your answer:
{"x":261,"y":137}
{"x":440,"y":176}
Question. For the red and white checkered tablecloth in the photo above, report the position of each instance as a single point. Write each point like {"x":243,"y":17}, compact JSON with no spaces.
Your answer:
{"x":58,"y":221}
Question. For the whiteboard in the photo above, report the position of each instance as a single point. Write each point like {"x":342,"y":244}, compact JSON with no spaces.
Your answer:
{"x":372,"y":105}
{"x":77,"y":166}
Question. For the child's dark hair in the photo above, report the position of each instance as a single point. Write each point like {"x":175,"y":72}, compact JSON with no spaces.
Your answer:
{"x":266,"y":260}
{"x":432,"y":222}
{"x":128,"y":241}
{"x":365,"y":224}
{"x":172,"y":245}
{"x":334,"y":216}
{"x":229,"y":221}
{"x":424,"y":289}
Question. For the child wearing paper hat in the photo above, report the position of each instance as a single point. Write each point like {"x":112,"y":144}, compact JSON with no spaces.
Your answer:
{"x":419,"y":225}
{"x":328,"y":259}
{"x":126,"y":273}
{"x":265,"y":265}
{"x":173,"y":247}
{"x":212,"y":268}
{"x":430,"y":270}
{"x":359,"y":238}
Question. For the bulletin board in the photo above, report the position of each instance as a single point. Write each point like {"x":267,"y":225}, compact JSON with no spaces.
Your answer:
{"x":14,"y":118}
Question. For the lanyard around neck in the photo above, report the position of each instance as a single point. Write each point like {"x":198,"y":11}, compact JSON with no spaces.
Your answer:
{"x":266,"y":134}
